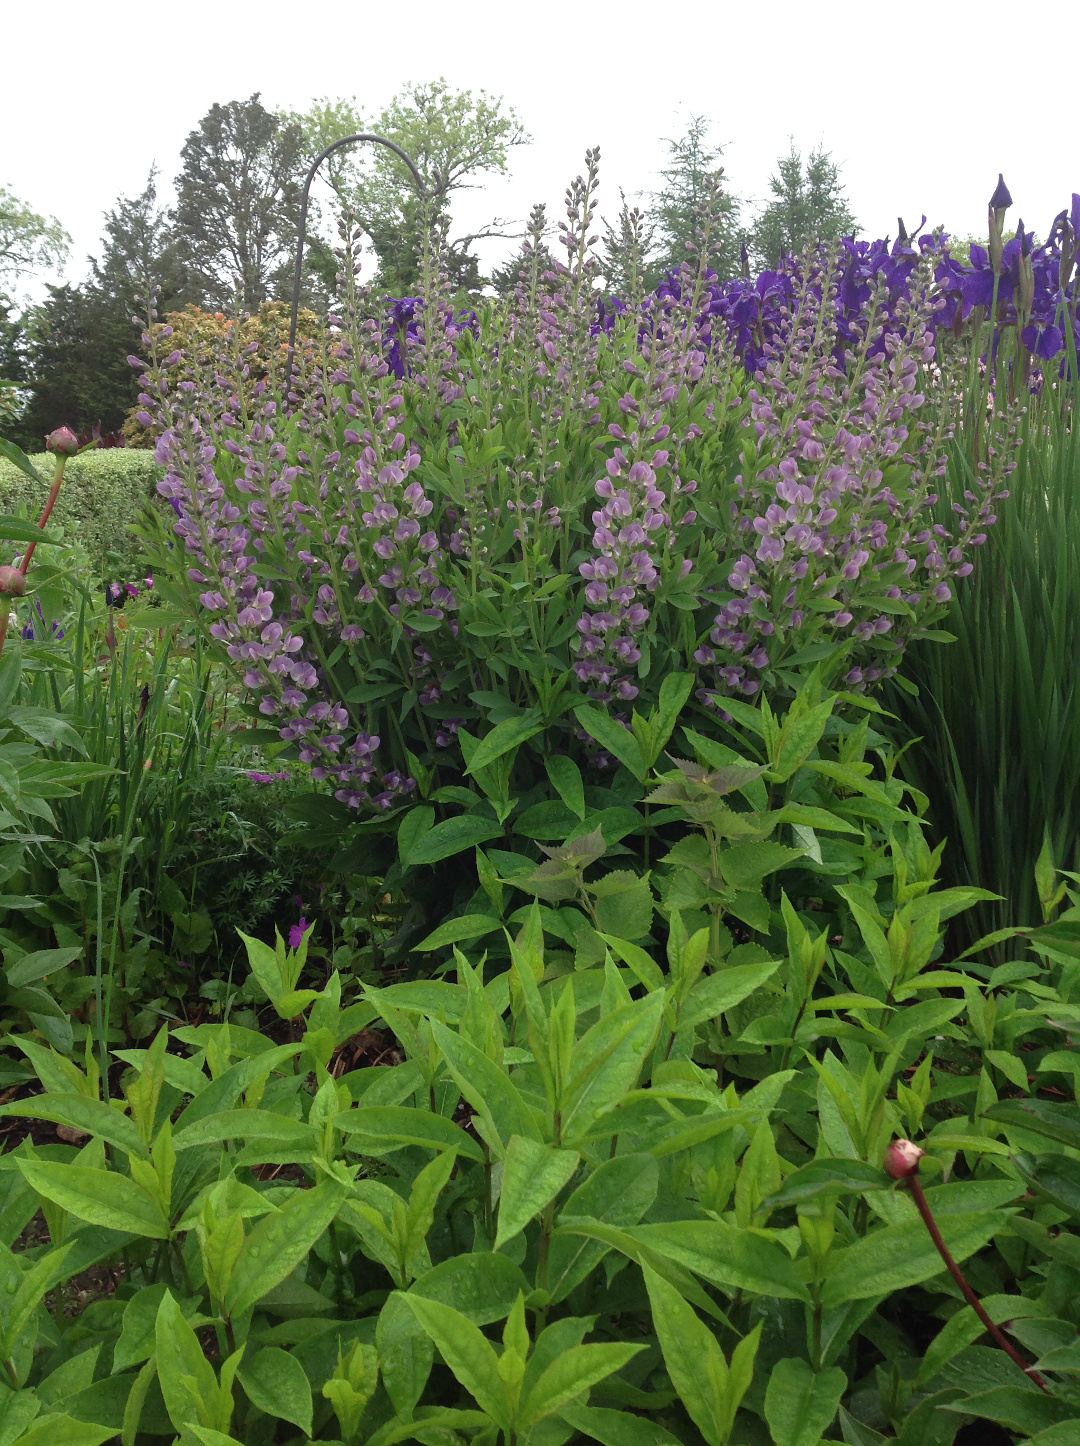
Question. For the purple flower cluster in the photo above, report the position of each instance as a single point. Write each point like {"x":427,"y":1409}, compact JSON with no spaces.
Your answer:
{"x":731,"y":472}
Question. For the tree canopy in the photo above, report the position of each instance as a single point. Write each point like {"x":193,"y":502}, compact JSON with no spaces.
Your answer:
{"x":808,"y":204}
{"x":453,"y":136}
{"x":238,"y":197}
{"x":690,"y":186}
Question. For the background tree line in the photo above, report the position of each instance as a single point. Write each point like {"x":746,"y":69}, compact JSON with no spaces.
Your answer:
{"x":229,"y":238}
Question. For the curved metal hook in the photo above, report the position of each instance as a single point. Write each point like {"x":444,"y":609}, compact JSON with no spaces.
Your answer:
{"x":421,"y":191}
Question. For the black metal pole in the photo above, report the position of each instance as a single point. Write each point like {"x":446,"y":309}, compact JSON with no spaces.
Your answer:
{"x":421,"y":190}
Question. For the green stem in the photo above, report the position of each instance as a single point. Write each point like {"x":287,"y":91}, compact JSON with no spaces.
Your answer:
{"x":547,"y":1221}
{"x":815,"y":1327}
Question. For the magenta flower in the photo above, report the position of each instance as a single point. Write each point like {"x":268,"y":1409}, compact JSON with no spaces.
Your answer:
{"x":297,"y":932}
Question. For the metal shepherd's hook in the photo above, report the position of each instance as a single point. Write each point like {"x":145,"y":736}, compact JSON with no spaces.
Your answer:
{"x":421,"y":191}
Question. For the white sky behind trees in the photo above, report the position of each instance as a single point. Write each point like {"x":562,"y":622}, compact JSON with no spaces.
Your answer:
{"x":920,"y":105}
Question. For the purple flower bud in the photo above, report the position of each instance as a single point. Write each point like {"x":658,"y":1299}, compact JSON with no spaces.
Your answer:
{"x":1001,"y":200}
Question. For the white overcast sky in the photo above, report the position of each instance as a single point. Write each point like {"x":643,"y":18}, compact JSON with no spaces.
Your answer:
{"x":921,"y":104}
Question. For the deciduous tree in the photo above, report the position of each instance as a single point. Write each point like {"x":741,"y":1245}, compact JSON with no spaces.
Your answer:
{"x":453,"y":136}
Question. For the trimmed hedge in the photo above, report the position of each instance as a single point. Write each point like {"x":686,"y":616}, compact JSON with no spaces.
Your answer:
{"x":103,"y":492}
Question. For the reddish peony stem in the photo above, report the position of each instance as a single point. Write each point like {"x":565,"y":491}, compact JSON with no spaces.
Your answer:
{"x":50,"y":503}
{"x":902,"y":1163}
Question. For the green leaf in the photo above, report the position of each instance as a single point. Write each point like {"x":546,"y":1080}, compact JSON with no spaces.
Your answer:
{"x":18,"y":458}
{"x":81,"y":1113}
{"x":857,"y":1433}
{"x":799,"y":1403}
{"x":411,"y":831}
{"x":280,"y":1242}
{"x":635,"y":958}
{"x":61,"y":1430}
{"x":899,"y":1256}
{"x":723,"y":990}
{"x":41,"y":1276}
{"x":618,"y":1192}
{"x":468,"y":1354}
{"x":607,"y":1061}
{"x":245,"y":1124}
{"x":574,"y":1372}
{"x":276,"y":1383}
{"x":405,"y":1351}
{"x":136,"y":1343}
{"x":483,"y":1287}
{"x":798,"y":737}
{"x":1065,"y":1433}
{"x":454,"y":836}
{"x":692,"y":1356}
{"x":187,"y":1378}
{"x":1018,"y":1407}
{"x":437,"y":1422}
{"x":1041,"y":1117}
{"x":843,"y":1176}
{"x":565,"y":778}
{"x":615,"y":1428}
{"x":426,"y":1189}
{"x":674,"y":691}
{"x":1057,"y":1177}
{"x":725,"y":1255}
{"x":46,"y":727}
{"x":623,"y":904}
{"x":511,"y":733}
{"x":533,"y":1174}
{"x":375,"y":1127}
{"x":614,"y":737}
{"x":101,"y":1197}
{"x":40,"y":963}
{"x":455,"y":931}
{"x":17,"y":529}
{"x":500,"y":1108}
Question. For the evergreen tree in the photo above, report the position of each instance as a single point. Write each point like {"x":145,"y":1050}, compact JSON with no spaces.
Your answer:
{"x":625,"y":259}
{"x":238,"y":203}
{"x":79,"y":338}
{"x":141,"y":251}
{"x":678,"y":205}
{"x":79,"y":341}
{"x":808,"y":205}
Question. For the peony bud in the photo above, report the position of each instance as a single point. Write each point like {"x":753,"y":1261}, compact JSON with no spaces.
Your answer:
{"x":902,"y":1159}
{"x":63,"y":440}
{"x":12,"y":582}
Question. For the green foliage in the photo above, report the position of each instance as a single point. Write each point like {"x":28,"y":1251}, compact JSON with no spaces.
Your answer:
{"x":238,"y":199}
{"x":680,"y":205}
{"x":104,"y":492}
{"x":452,"y":136}
{"x":28,"y":241}
{"x":628,"y":1191}
{"x":808,"y":205}
{"x":996,"y":722}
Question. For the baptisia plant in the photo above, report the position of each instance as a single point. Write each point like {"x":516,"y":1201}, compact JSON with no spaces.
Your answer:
{"x":557,"y":503}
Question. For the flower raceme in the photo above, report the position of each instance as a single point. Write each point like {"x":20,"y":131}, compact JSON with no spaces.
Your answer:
{"x":540,"y":489}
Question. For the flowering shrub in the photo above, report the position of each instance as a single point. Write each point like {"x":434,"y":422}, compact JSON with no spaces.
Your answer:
{"x":556,"y":505}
